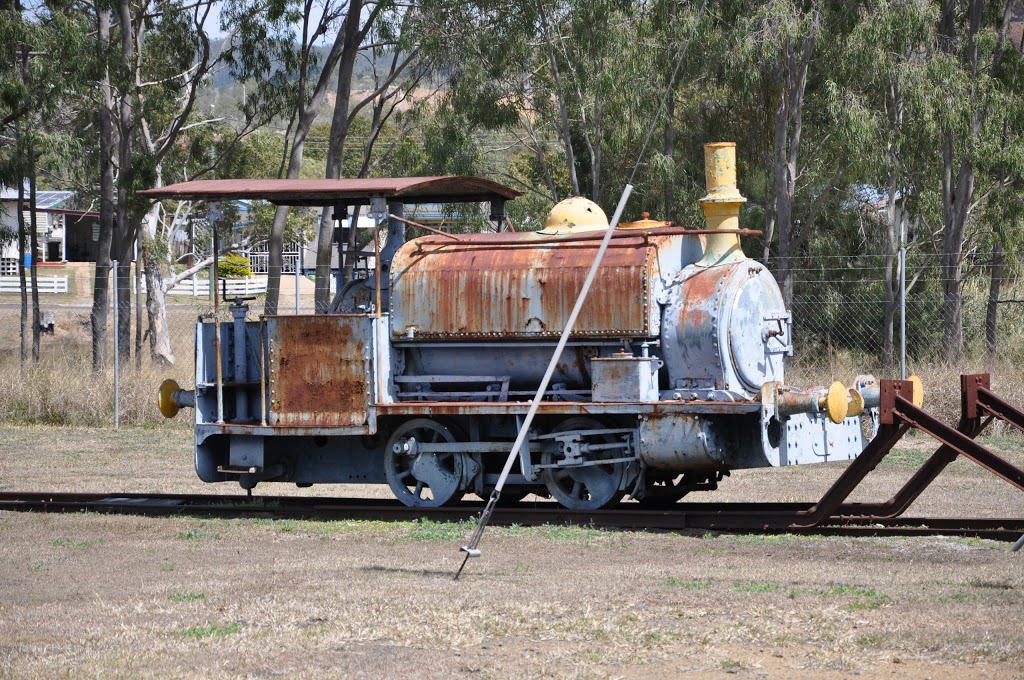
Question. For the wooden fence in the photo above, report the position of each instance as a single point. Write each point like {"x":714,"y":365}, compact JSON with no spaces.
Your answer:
{"x":47,"y":284}
{"x":194,"y":287}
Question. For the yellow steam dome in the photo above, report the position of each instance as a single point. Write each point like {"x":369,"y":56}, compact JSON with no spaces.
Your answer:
{"x":575,"y":214}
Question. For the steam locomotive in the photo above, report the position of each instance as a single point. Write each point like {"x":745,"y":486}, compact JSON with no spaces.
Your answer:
{"x":673,"y":375}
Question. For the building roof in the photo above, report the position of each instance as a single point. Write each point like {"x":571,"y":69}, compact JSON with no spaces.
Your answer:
{"x":44,"y":199}
{"x":409,"y":190}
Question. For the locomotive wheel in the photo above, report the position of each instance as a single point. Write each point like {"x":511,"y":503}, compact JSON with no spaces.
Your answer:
{"x":588,"y":487}
{"x":423,"y":479}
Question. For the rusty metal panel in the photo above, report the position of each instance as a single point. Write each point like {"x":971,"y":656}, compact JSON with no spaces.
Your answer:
{"x":319,"y":370}
{"x":483,"y":286}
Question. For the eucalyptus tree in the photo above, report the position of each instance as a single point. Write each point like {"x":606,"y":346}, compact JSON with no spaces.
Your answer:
{"x":880,"y":96}
{"x":39,"y":66}
{"x":775,"y":43}
{"x":549,"y":73}
{"x":978,"y":70}
{"x":382,"y":33}
{"x":296,"y":62}
{"x":156,"y":56}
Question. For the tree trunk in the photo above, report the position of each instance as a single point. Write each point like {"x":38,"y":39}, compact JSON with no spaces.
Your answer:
{"x":891,"y":282}
{"x":955,"y":199}
{"x":138,"y":312}
{"x":126,"y":225}
{"x":156,"y":289}
{"x":352,"y":37}
{"x":304,"y":120}
{"x":156,"y":306}
{"x":783,"y":203}
{"x":34,"y":240}
{"x":792,"y":70}
{"x":668,"y":149}
{"x":101,"y":286}
{"x":21,"y":271}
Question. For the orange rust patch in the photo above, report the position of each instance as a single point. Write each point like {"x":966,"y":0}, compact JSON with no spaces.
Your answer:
{"x":476,"y":289}
{"x":317,"y":371}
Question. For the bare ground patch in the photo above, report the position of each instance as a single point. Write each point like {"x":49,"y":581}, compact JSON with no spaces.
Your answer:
{"x":94,"y":595}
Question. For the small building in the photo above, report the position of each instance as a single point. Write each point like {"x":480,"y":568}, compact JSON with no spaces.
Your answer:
{"x":63,"y":235}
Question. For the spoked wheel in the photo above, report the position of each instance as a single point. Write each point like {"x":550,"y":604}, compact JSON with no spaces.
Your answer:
{"x":423,"y":479}
{"x":586,"y":487}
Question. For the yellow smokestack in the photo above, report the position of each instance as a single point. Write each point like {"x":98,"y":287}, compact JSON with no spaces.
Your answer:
{"x":722,"y":204}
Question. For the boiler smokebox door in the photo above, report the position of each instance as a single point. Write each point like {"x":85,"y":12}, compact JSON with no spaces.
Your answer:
{"x":753,"y":353}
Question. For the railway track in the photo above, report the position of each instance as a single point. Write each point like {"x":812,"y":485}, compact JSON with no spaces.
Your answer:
{"x":719,"y":517}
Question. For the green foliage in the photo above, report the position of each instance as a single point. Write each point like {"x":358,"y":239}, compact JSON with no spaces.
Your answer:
{"x":197,"y":535}
{"x":687,"y":584}
{"x":757,"y":587}
{"x":216,"y":631}
{"x":233,"y":266}
{"x":73,"y":544}
{"x":300,"y":226}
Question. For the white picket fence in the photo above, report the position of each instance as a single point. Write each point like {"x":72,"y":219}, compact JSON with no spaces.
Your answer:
{"x":253,"y":285}
{"x":47,"y":284}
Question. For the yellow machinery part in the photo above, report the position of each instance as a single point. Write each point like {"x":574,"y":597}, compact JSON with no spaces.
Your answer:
{"x":856,"y":406}
{"x":166,"y":402}
{"x":918,"y":390}
{"x":836,"y":402}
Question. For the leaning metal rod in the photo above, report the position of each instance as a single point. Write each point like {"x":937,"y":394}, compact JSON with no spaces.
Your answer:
{"x":471,"y":549}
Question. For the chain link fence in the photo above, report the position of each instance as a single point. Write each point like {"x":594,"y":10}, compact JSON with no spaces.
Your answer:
{"x":844,"y":323}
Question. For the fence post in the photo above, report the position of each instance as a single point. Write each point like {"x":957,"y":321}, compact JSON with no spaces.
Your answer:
{"x":117,"y":355}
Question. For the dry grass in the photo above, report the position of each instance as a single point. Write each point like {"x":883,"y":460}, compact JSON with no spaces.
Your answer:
{"x":62,"y":389}
{"x":247,"y":598}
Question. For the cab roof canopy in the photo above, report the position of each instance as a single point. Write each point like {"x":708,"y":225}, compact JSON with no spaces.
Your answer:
{"x":321,"y":192}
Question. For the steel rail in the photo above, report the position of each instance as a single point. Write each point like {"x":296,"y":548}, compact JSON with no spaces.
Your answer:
{"x":718,"y":517}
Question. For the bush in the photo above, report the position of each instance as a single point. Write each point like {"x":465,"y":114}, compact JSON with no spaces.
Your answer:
{"x":234,"y":266}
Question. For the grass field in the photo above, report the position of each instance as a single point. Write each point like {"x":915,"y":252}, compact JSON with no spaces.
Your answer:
{"x":92,"y":595}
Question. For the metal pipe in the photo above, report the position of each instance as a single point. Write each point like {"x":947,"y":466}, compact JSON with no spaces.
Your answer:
{"x":903,"y":313}
{"x":216,"y":321}
{"x":298,"y":265}
{"x":599,"y":235}
{"x":241,"y":374}
{"x":263,"y":377}
{"x":425,"y":227}
{"x":117,"y":353}
{"x":376,"y":269}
